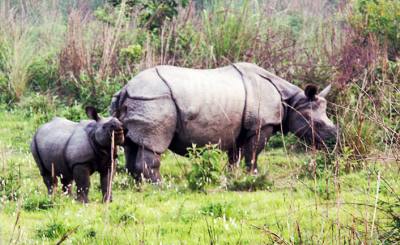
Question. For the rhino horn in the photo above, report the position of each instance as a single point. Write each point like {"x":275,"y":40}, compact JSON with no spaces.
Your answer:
{"x":325,"y":92}
{"x":91,"y":112}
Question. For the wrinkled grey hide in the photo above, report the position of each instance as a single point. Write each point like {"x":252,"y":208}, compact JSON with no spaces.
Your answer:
{"x":173,"y":107}
{"x":73,"y":151}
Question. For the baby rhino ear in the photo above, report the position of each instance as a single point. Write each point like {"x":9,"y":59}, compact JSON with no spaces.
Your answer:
{"x":92,"y":113}
{"x":310,"y":91}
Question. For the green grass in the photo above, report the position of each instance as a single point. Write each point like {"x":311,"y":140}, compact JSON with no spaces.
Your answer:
{"x":326,"y":209}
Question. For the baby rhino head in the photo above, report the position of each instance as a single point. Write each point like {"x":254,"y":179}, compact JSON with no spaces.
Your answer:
{"x":105,"y":128}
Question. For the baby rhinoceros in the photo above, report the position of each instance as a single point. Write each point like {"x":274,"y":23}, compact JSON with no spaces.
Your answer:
{"x":73,"y":151}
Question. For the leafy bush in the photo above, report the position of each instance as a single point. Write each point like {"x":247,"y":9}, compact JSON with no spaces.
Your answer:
{"x":153,"y":12}
{"x":40,"y":106}
{"x":10,"y":184}
{"x":74,"y":113}
{"x":217,"y":210}
{"x":133,"y":53}
{"x":37,"y":203}
{"x":247,"y":182}
{"x":206,"y":167}
{"x":318,"y":165}
{"x":382,"y":18}
{"x":325,"y":187}
{"x":90,"y":233}
{"x":5,"y":95}
{"x":123,"y":215}
{"x":52,"y":230}
{"x":99,"y":94}
{"x":278,"y":141}
{"x":43,"y":74}
{"x":91,"y":92}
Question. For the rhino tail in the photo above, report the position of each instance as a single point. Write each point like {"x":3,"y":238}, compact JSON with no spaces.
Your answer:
{"x":37,"y":157}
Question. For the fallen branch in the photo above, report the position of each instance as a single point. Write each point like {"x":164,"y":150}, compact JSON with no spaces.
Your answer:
{"x":274,"y":236}
{"x":66,"y":235}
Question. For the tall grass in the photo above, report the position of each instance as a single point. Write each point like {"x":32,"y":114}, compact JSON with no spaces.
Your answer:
{"x":20,"y":51}
{"x":27,"y":35}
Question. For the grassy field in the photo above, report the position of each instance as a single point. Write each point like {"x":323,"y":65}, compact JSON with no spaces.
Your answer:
{"x":346,"y":208}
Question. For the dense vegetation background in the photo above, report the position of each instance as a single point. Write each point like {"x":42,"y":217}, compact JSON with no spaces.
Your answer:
{"x":58,"y":56}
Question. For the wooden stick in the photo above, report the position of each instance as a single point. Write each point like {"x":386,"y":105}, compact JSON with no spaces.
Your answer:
{"x":54,"y":179}
{"x":111,"y":171}
{"x":67,"y":234}
{"x":15,"y":224}
{"x":378,"y":184}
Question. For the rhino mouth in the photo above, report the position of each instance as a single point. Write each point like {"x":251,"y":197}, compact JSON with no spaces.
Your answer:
{"x":322,"y":140}
{"x":119,"y":137}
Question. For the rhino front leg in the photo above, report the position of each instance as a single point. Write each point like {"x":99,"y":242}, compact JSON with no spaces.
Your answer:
{"x":131,"y":150}
{"x":254,"y":145}
{"x":105,"y":184}
{"x":50,"y":182}
{"x":81,"y":174}
{"x":148,"y":164}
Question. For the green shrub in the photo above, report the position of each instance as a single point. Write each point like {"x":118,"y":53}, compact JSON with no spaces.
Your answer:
{"x":317,"y":165}
{"x":10,"y":183}
{"x":381,"y":17}
{"x":325,"y":187}
{"x":90,"y":233}
{"x":5,"y":93}
{"x":42,"y":107}
{"x":132,"y":54}
{"x":290,"y":141}
{"x":52,"y":230}
{"x":153,"y":12}
{"x":74,"y":113}
{"x":37,"y":203}
{"x":43,"y":74}
{"x":206,"y":169}
{"x":123,"y":215}
{"x":247,"y":182}
{"x":92,"y":92}
{"x":217,"y":210}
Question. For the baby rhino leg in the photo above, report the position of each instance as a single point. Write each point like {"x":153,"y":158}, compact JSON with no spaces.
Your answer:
{"x":81,"y":173}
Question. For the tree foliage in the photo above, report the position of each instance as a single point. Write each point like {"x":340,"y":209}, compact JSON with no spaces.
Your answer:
{"x":382,"y":18}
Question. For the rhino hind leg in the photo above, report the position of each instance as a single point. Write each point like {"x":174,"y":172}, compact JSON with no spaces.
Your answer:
{"x":253,"y":145}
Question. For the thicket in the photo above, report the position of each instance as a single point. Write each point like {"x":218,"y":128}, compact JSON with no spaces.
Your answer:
{"x":57,"y":56}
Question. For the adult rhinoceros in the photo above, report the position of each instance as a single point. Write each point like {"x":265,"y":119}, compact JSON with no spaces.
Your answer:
{"x":237,"y":106}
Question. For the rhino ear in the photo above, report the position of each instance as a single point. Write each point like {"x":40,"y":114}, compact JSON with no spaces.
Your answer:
{"x":310,"y":91}
{"x":92,"y":113}
{"x":325,"y":92}
{"x":116,"y":113}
